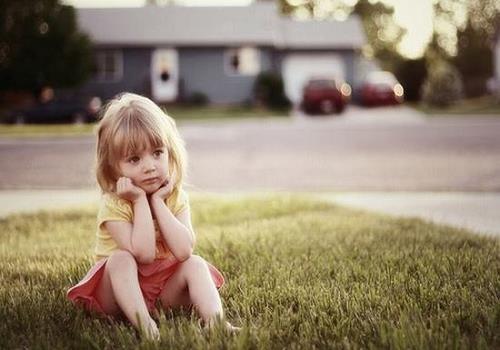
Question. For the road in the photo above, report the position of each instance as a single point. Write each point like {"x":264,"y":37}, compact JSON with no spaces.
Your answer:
{"x":385,"y":149}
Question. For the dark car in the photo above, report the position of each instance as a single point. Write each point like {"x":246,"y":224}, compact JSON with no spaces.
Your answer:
{"x":325,"y":96}
{"x":57,"y":110}
{"x":381,"y":88}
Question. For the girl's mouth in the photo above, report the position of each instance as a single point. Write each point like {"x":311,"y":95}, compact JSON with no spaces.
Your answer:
{"x":150,"y":181}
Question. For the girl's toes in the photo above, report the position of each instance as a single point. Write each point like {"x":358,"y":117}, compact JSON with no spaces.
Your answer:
{"x":224,"y":325}
{"x":232,"y":329}
{"x":152,"y":332}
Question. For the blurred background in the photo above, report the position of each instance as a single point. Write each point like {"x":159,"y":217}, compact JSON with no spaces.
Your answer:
{"x":434,"y":53}
{"x":324,"y":96}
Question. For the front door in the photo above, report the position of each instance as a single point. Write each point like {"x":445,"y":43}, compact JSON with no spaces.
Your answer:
{"x":164,"y":75}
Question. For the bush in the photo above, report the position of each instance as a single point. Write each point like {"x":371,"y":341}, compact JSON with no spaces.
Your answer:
{"x":198,"y":99}
{"x":269,"y":91}
{"x":443,"y":85}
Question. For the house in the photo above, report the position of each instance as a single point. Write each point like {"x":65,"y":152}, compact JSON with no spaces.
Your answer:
{"x":494,"y":83}
{"x":173,"y":52}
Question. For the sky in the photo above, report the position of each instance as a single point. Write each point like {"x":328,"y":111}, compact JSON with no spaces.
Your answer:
{"x":414,"y":16}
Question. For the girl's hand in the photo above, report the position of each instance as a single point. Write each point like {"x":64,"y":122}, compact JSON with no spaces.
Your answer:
{"x":164,"y":191}
{"x":125,"y":189}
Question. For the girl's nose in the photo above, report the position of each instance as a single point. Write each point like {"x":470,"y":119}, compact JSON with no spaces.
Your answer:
{"x":149,"y":165}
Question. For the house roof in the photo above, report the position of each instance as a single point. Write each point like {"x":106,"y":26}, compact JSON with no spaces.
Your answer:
{"x":322,"y":34}
{"x":257,"y":24}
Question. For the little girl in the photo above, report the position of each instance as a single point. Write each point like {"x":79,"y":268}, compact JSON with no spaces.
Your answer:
{"x":143,"y":254}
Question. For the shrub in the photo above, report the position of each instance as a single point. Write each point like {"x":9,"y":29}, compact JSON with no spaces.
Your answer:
{"x":443,"y":85}
{"x":198,"y":99}
{"x":269,"y":91}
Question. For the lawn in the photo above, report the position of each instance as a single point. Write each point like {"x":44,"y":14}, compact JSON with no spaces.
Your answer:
{"x":486,"y":105}
{"x":300,"y":274}
{"x":182,"y":114}
{"x":187,"y":113}
{"x":43,"y":130}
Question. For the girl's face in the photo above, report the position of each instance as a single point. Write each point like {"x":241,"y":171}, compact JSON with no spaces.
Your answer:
{"x":148,"y":169}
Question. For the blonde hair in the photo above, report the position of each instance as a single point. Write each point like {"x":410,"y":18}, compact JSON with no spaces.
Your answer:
{"x":130,"y":123}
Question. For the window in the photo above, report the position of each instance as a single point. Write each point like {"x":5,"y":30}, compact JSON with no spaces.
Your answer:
{"x":109,"y":65}
{"x":242,"y":61}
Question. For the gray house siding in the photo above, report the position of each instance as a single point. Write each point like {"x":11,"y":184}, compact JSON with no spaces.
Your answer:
{"x":203,"y":70}
{"x":135,"y":77}
{"x":267,"y":60}
{"x":349,"y":58}
{"x":200,"y":70}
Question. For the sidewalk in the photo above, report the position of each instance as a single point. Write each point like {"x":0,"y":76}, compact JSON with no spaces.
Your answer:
{"x":478,"y":212}
{"x":475,"y":211}
{"x":28,"y":201}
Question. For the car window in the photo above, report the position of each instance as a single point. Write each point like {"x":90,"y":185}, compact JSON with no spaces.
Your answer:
{"x":385,"y":78}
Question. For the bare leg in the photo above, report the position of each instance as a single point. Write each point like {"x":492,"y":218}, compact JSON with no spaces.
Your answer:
{"x":193,"y":284}
{"x":119,"y":289}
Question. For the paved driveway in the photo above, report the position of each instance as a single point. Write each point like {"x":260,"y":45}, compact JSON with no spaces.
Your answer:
{"x":366,"y":151}
{"x":476,"y":211}
{"x":388,"y":149}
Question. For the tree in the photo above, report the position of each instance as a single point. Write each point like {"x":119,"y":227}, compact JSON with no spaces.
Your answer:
{"x":484,"y":17}
{"x":443,"y":85}
{"x":383,"y":33}
{"x":41,"y":45}
{"x":464,"y":31}
{"x":474,"y":59}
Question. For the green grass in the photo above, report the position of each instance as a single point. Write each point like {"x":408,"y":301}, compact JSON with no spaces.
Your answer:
{"x":43,"y":130}
{"x":486,"y":105}
{"x":181,"y":114}
{"x":300,"y":274}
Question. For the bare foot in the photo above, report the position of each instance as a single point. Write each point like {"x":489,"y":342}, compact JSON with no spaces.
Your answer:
{"x":232,"y":329}
{"x":214,"y":323}
{"x":151,"y":331}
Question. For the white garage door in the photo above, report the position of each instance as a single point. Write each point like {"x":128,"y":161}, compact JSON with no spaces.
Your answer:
{"x":298,"y":68}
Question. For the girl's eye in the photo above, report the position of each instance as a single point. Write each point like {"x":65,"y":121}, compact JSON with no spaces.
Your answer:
{"x":133,"y":159}
{"x":158,"y":152}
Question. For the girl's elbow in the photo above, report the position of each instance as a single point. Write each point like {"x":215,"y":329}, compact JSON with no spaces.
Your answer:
{"x":184,"y":255}
{"x":145,"y":258}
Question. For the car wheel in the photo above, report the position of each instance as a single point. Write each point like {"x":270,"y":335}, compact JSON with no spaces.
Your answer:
{"x":19,"y":120}
{"x":327,"y":107}
{"x":79,"y":118}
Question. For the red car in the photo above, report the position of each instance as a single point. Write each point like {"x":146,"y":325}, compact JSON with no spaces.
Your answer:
{"x":325,"y":96}
{"x":381,"y":88}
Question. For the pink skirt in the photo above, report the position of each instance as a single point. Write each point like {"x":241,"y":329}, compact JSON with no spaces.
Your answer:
{"x":152,"y":279}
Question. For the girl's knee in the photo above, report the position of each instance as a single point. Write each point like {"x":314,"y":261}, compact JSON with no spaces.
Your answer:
{"x":196,"y":262}
{"x":119,"y":260}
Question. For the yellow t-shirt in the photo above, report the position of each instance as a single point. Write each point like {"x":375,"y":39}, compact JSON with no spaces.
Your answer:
{"x":113,"y":208}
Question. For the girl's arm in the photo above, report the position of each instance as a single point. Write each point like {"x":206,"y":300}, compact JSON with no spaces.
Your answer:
{"x":137,"y":237}
{"x":176,"y":231}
